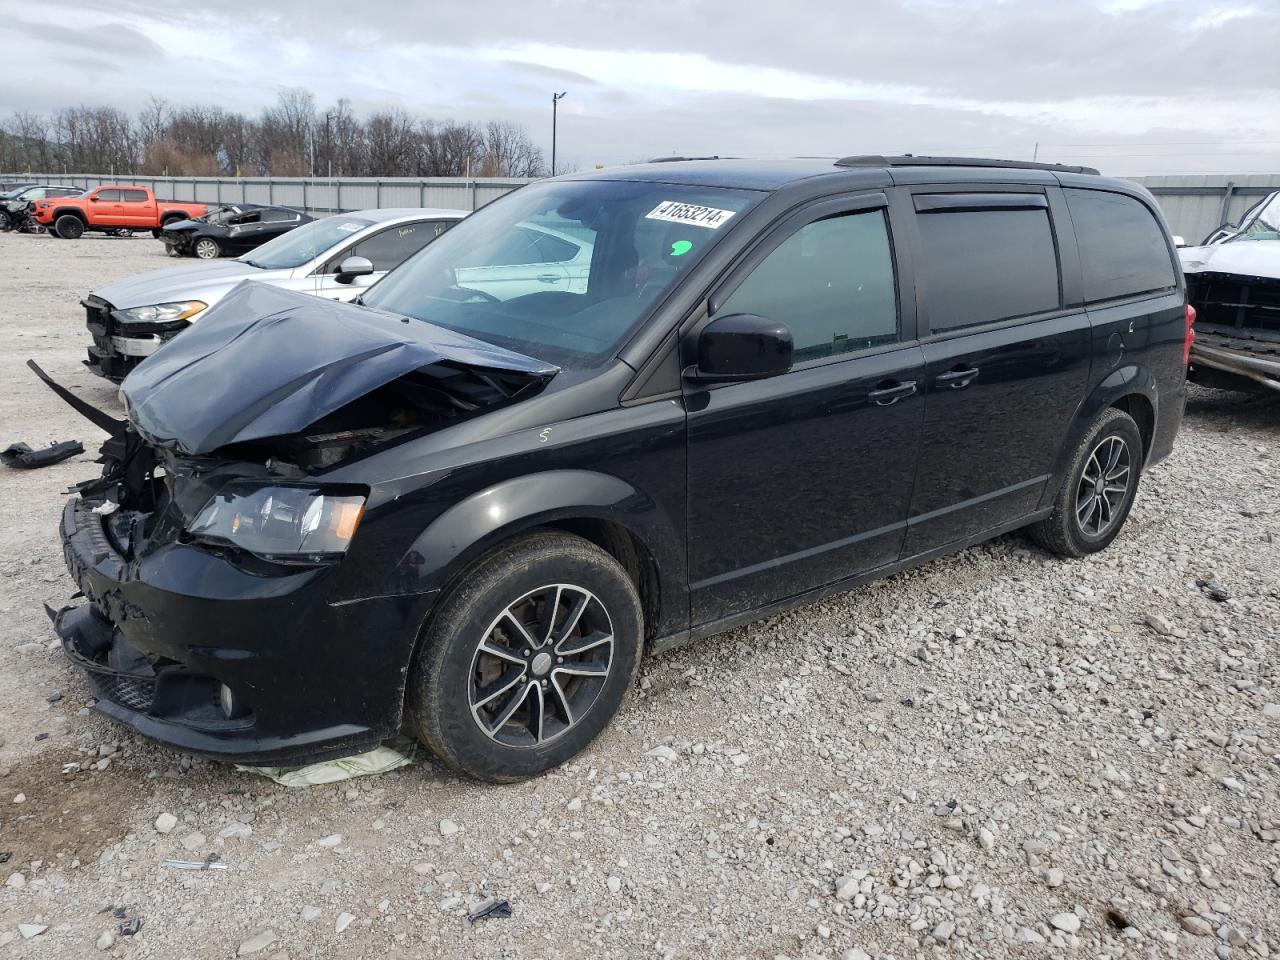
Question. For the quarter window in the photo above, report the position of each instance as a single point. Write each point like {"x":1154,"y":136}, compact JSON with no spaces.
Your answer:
{"x":982,"y":266}
{"x":1123,"y":251}
{"x":831,"y":282}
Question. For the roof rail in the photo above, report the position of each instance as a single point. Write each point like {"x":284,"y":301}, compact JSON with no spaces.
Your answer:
{"x":907,"y":160}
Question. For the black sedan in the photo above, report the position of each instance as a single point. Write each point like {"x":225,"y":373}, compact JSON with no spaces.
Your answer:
{"x":229,"y":230}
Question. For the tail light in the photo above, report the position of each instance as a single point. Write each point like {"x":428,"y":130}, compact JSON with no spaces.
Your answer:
{"x":1191,"y":335}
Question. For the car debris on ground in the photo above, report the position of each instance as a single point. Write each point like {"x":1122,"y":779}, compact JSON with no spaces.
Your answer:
{"x":22,"y":457}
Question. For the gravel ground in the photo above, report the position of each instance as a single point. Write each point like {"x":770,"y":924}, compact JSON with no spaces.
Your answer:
{"x":1002,"y":753}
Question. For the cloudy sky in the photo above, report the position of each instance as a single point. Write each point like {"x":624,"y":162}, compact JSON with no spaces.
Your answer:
{"x":1131,"y":86}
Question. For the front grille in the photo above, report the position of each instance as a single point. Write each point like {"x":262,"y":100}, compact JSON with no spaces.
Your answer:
{"x":136,"y":693}
{"x":1226,"y":300}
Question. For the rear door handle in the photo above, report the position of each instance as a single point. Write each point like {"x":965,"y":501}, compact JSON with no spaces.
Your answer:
{"x":548,"y":277}
{"x":892,"y":393}
{"x":955,"y":379}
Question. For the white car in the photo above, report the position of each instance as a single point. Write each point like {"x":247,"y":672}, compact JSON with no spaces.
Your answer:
{"x":532,"y":258}
{"x":337,"y":257}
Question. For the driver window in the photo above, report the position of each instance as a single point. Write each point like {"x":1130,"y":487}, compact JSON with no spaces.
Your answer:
{"x":831,"y":282}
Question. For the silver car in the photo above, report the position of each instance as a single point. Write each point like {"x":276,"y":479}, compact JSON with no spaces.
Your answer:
{"x":336,"y":257}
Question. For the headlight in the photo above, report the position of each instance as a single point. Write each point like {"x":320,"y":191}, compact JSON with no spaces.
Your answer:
{"x":161,"y":312}
{"x":287,"y":523}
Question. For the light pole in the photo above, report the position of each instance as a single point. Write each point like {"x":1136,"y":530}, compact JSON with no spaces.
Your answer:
{"x":555,"y":102}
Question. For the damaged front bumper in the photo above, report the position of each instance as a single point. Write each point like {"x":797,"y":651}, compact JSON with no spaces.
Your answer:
{"x":1234,"y":362}
{"x":250,"y":666}
{"x":117,"y":347}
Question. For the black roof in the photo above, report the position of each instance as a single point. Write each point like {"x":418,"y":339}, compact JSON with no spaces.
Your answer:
{"x":774,"y":174}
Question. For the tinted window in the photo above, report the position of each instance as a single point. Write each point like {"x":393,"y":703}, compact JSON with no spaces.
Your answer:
{"x":278,"y":216}
{"x":979,"y":266}
{"x":134,"y":196}
{"x":1122,"y":248}
{"x":831,"y":282}
{"x":390,"y":248}
{"x":109,"y":196}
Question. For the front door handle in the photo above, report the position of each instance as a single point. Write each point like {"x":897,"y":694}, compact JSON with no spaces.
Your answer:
{"x":955,"y":379}
{"x":892,"y":392}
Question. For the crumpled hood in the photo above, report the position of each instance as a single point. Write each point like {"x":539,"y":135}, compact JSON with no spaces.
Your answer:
{"x":178,"y":283}
{"x":1246,"y":258}
{"x":267,"y":362}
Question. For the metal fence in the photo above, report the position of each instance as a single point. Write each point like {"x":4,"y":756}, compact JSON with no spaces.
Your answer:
{"x":1194,"y":205}
{"x":315,"y":195}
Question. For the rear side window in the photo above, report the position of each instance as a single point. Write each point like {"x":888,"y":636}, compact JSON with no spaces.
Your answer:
{"x":981,"y":266}
{"x":134,"y":196}
{"x":278,"y":216}
{"x":1122,"y":248}
{"x":831,"y":282}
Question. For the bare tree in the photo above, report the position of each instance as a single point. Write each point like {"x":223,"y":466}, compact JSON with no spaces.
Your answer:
{"x":289,"y":138}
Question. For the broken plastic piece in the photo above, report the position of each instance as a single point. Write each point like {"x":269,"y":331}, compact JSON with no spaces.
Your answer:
{"x":211,"y":862}
{"x":491,"y":909}
{"x":130,"y":927}
{"x":381,"y":759}
{"x":22,"y":457}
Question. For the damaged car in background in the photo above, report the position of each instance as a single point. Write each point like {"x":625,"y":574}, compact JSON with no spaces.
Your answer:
{"x":336,"y":257}
{"x":229,"y":230}
{"x":1233,"y":281}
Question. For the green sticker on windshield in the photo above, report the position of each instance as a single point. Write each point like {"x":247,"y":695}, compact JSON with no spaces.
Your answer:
{"x":681,"y":247}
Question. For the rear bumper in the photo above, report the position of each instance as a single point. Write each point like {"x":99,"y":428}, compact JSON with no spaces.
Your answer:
{"x":161,"y":634}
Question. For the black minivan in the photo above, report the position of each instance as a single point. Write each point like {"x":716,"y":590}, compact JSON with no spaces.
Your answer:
{"x":610,"y":413}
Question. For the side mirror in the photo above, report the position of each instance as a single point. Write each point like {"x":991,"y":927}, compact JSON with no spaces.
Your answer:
{"x":353,"y":267}
{"x":93,"y":199}
{"x":1179,"y":241}
{"x":742,"y":346}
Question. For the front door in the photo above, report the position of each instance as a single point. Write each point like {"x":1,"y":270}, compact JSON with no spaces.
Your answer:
{"x":1006,"y":363}
{"x":804,"y":479}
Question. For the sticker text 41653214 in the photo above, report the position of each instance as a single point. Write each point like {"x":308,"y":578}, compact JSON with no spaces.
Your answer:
{"x":689,"y":214}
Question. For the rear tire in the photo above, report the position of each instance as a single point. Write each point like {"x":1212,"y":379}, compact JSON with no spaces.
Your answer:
{"x":1097,"y":491}
{"x":6,"y":221}
{"x":500,"y":690}
{"x":69,"y":227}
{"x":207,"y":248}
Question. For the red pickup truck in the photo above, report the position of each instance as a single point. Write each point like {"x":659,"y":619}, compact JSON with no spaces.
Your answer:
{"x":112,"y":208}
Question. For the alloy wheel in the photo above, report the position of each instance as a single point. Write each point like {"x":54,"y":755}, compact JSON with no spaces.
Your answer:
{"x":1104,"y":484}
{"x":206,"y":249}
{"x":540,"y":665}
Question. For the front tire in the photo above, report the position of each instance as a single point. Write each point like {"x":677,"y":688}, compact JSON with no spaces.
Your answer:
{"x":6,"y":221}
{"x":206,"y":248}
{"x":527,"y":658}
{"x":69,"y":227}
{"x":1098,"y":490}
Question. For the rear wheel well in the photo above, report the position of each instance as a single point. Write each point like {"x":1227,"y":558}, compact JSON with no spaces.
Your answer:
{"x":171,"y":216}
{"x":621,"y":544}
{"x":1144,"y":415}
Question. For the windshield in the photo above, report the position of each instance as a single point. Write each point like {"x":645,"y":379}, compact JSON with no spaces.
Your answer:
{"x":1263,"y":221}
{"x":562,"y":270}
{"x":296,"y":247}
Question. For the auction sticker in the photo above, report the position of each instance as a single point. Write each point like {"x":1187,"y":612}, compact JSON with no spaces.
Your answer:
{"x":690,"y":214}
{"x":349,"y":227}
